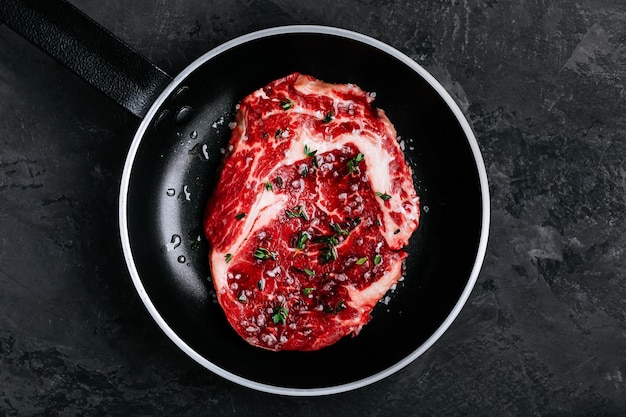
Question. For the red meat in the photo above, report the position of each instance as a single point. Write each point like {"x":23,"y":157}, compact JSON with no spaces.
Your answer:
{"x":308,"y":220}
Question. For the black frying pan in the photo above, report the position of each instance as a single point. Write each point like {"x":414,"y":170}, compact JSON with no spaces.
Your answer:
{"x":171,"y":170}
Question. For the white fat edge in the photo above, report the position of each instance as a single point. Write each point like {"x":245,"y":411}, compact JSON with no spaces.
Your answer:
{"x":368,"y":297}
{"x":318,"y":87}
{"x":378,"y":161}
{"x":259,"y":93}
{"x":265,"y":209}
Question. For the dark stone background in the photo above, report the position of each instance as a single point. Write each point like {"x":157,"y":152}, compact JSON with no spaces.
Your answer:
{"x":543,"y":84}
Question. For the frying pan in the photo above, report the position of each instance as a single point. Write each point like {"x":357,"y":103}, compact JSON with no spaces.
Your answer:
{"x":171,"y":169}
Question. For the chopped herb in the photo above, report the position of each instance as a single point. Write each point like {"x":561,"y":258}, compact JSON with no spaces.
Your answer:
{"x":330,"y":254}
{"x":296,"y":212}
{"x":382,"y":195}
{"x":354,"y":162}
{"x":329,"y":240}
{"x":353,"y":222}
{"x":242,"y":298}
{"x":378,"y":223}
{"x":280,"y":314}
{"x":240,"y":216}
{"x":195,"y":244}
{"x":260,"y":284}
{"x":328,"y":117}
{"x":361,"y":261}
{"x":377,"y":259}
{"x":341,"y":305}
{"x":264,"y":254}
{"x":266,"y":135}
{"x":337,"y":228}
{"x":228,"y":257}
{"x":308,"y":152}
{"x":304,"y":172}
{"x":278,"y":133}
{"x":286,"y":104}
{"x":304,"y":271}
{"x":307,"y":291}
{"x":268,"y":186}
{"x":279,"y":182}
{"x":395,"y":232}
{"x":302,"y":240}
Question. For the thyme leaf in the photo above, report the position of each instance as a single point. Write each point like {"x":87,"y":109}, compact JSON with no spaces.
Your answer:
{"x":280,"y":314}
{"x":264,"y":254}
{"x":308,"y":152}
{"x":302,"y":240}
{"x":382,"y":195}
{"x":286,"y":103}
{"x":296,"y":212}
{"x":354,"y":162}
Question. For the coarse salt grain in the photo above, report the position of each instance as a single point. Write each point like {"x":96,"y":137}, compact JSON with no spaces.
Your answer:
{"x":272,"y":274}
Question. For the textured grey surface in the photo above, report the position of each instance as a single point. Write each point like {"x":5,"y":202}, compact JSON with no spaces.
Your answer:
{"x":543,"y":334}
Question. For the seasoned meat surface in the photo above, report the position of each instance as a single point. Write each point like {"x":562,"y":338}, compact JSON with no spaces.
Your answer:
{"x":310,"y":214}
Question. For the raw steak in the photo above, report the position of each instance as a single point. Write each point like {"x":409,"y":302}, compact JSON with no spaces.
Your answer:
{"x":308,"y":220}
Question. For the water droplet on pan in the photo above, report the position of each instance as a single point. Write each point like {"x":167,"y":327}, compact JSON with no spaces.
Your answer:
{"x":170,"y":192}
{"x":201,"y":150}
{"x":187,"y":193}
{"x":181,"y":259}
{"x":193,"y":134}
{"x":174,"y":243}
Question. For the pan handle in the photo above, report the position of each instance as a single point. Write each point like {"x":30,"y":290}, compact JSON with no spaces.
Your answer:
{"x":88,"y":49}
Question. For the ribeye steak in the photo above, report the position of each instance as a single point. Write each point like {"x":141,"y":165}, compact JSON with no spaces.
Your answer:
{"x":312,"y":209}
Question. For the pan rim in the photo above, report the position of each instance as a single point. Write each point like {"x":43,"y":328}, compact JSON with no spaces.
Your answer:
{"x":128,"y":168}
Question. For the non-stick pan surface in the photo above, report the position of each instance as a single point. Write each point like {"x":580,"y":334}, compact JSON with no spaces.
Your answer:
{"x":172,"y":168}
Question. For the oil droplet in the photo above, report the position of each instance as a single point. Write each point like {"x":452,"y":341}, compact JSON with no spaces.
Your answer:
{"x":205,"y":151}
{"x":187,"y":193}
{"x":181,"y":259}
{"x":426,"y":209}
{"x":170,"y":192}
{"x":193,"y":134}
{"x":174,"y":243}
